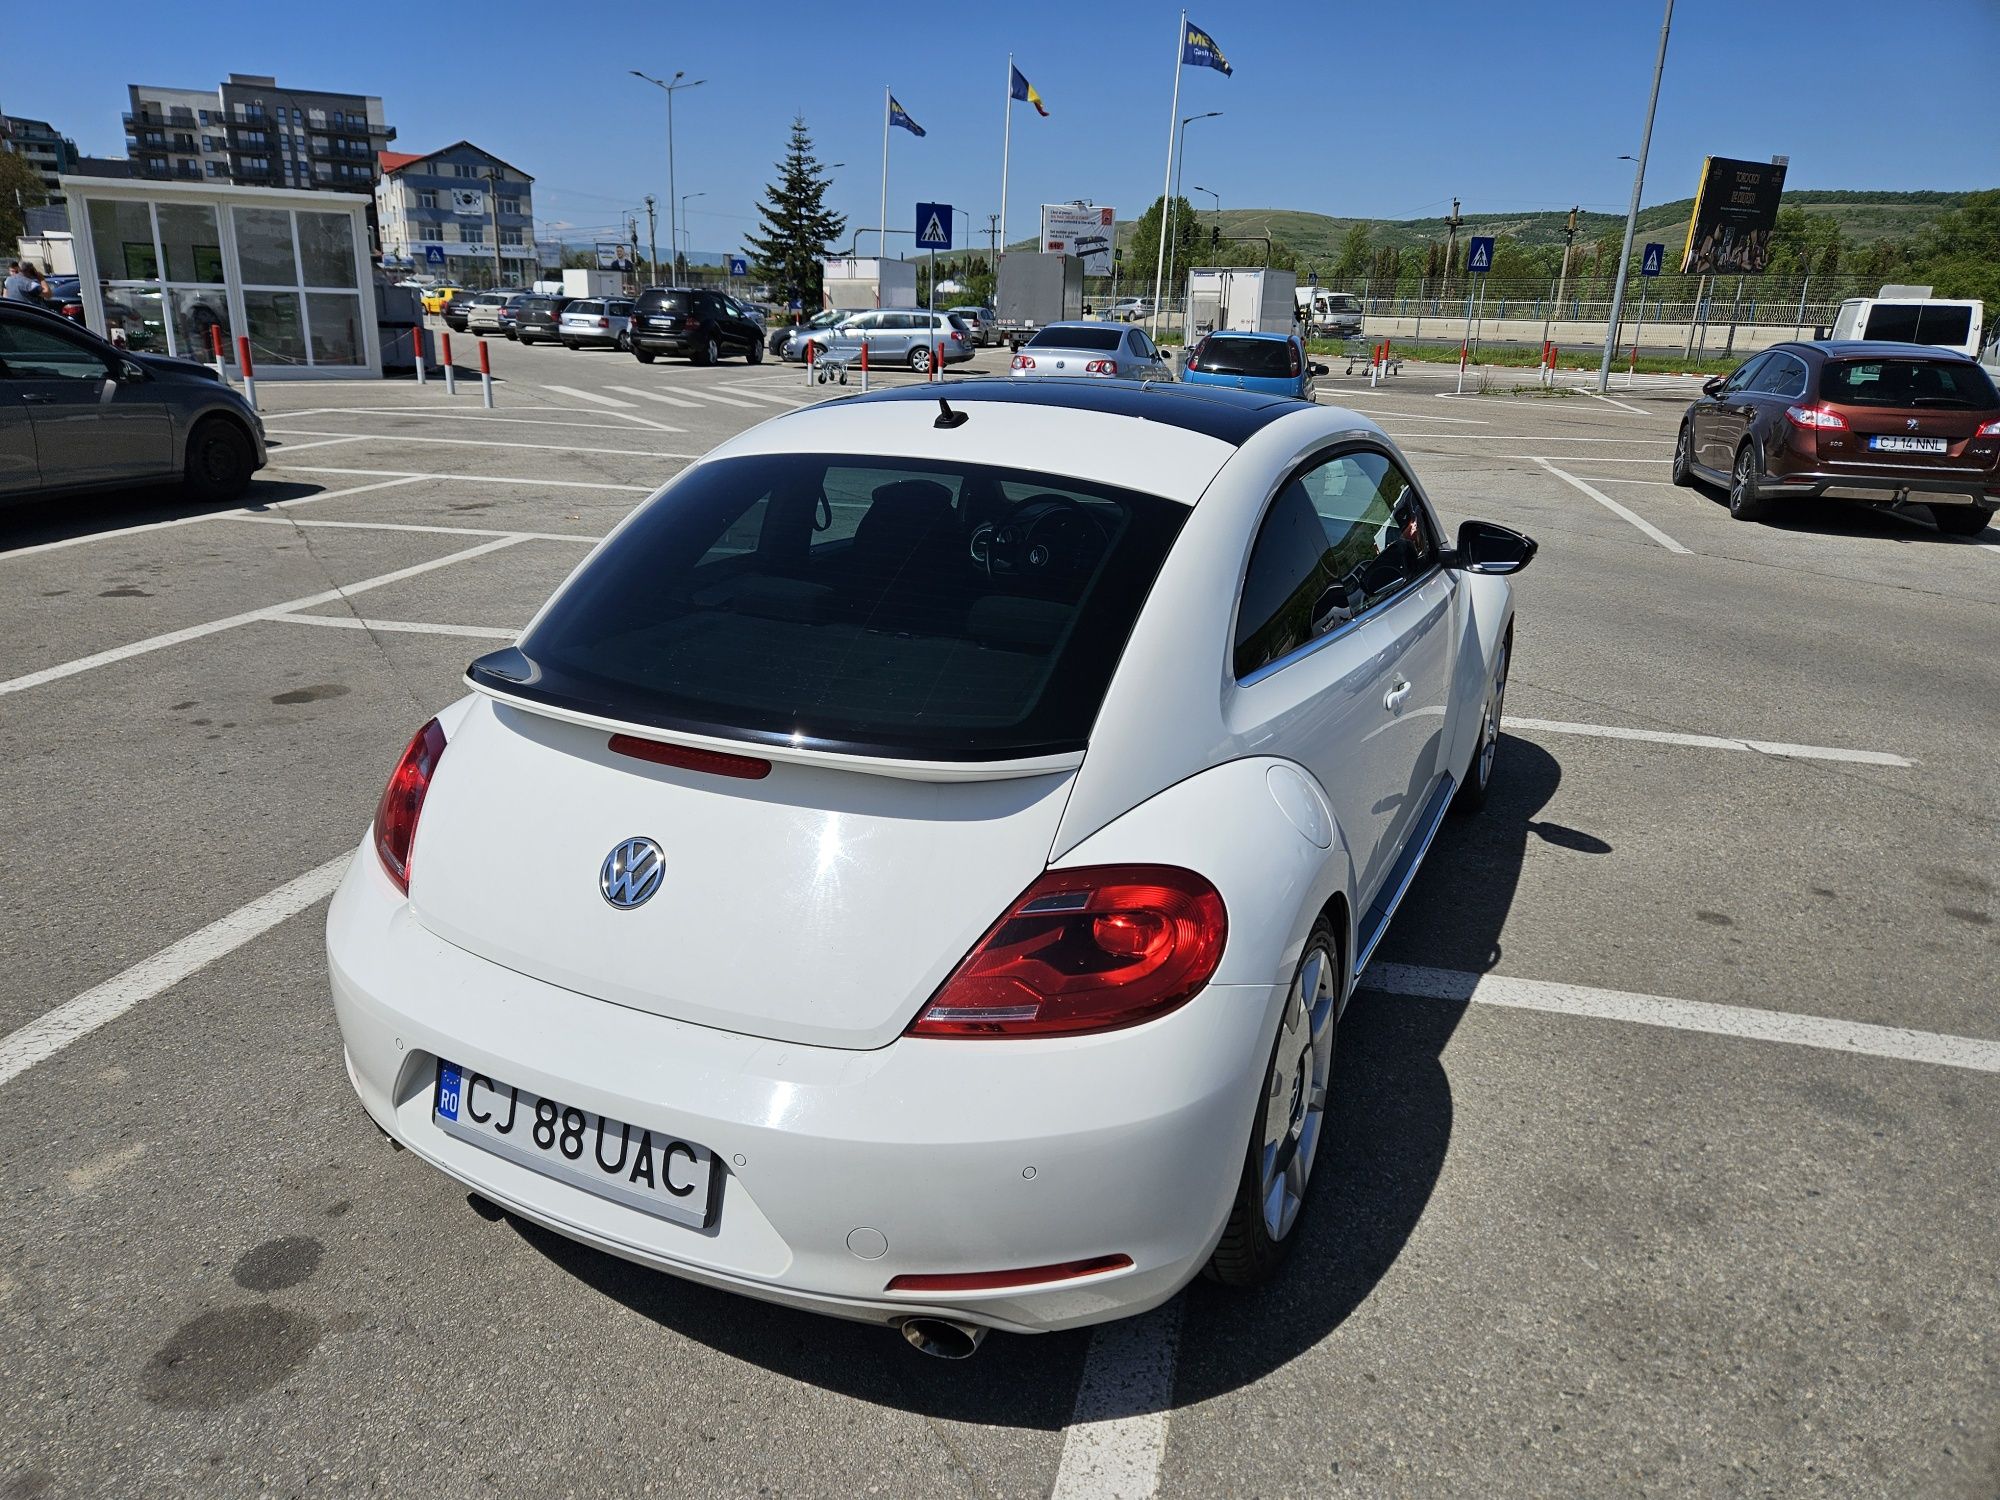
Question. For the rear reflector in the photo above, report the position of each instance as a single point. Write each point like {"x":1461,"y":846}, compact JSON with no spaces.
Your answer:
{"x":687,"y":758}
{"x":988,"y":1281}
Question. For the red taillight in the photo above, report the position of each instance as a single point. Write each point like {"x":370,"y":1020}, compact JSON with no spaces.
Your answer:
{"x":688,"y":758}
{"x":987,"y":1281}
{"x":1023,"y":362}
{"x":403,"y":801}
{"x":688,"y":323}
{"x":1101,"y":367}
{"x":1092,"y":949}
{"x":957,"y":338}
{"x":603,"y":322}
{"x":1816,"y":419}
{"x":1991,"y":429}
{"x":1293,"y":350}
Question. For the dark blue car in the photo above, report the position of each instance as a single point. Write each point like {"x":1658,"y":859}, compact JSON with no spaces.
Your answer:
{"x":1274,"y":364}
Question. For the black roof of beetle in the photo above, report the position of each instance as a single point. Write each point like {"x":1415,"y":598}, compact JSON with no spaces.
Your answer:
{"x":1230,"y":416}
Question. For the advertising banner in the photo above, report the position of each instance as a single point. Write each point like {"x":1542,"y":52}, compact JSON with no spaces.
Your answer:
{"x":1735,"y":210}
{"x":1088,"y":232}
{"x":612,"y":256}
{"x":468,"y":201}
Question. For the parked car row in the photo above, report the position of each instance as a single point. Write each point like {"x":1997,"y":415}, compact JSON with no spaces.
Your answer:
{"x":697,"y":323}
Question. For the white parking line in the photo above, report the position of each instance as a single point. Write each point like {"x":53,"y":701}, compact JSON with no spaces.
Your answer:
{"x":250,"y":616}
{"x":406,"y":627}
{"x":48,"y":1034}
{"x":325,"y":442}
{"x":1117,"y":1434}
{"x":660,"y":396}
{"x":214,"y":515}
{"x":1637,"y":411}
{"x":411,"y":437}
{"x":570,"y":390}
{"x":702,"y":393}
{"x":750,"y":390}
{"x":1710,"y":742}
{"x":408,"y":474}
{"x":467,"y":416}
{"x":1827,"y":1033}
{"x":524,"y":536}
{"x":1616,"y":509}
{"x":1545,"y":437}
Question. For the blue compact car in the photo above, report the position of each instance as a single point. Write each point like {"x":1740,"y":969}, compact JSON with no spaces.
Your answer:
{"x":1274,"y":364}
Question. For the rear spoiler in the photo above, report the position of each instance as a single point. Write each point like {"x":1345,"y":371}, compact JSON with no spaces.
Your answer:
{"x":797,"y":754}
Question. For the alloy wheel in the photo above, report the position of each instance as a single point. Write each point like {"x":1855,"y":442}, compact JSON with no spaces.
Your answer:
{"x":1296,"y":1092}
{"x":1489,"y":732}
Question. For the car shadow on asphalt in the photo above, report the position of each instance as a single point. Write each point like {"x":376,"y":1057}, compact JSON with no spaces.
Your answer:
{"x":34,"y":523}
{"x":1392,"y":1130}
{"x":1833,"y":518}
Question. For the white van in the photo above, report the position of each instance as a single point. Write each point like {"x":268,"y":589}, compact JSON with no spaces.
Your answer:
{"x":1943,"y":323}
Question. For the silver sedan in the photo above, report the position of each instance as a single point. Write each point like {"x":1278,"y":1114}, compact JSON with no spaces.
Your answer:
{"x":1109,"y":349}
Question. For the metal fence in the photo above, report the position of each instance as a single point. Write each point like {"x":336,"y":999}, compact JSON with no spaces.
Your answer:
{"x":1800,"y":303}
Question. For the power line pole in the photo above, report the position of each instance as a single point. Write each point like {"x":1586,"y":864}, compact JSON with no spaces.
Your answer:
{"x":493,"y":207}
{"x":993,"y":240}
{"x":1632,"y":213}
{"x":1569,"y":238}
{"x":1450,"y":246}
{"x":652,"y":237}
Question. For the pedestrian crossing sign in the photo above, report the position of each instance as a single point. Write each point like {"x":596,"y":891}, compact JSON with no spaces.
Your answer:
{"x":933,"y":226}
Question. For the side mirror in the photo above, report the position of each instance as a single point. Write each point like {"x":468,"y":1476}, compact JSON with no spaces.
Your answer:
{"x":128,"y":372}
{"x":1486,"y":548}
{"x":1319,"y":369}
{"x":1712,"y":386}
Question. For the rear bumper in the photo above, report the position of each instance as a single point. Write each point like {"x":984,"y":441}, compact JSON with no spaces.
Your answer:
{"x":963,"y":1156}
{"x":1885,"y":486}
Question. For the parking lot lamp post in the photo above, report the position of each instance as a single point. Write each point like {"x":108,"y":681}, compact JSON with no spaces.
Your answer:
{"x":684,"y":225}
{"x":1173,"y":218}
{"x":1632,"y":213}
{"x":670,"y":87}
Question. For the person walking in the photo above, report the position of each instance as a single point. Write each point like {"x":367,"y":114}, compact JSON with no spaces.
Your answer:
{"x":21,"y":286}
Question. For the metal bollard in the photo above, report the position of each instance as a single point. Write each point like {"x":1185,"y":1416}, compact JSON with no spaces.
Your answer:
{"x":864,"y":367}
{"x":249,"y":373}
{"x":1461,"y":367}
{"x":485,"y":376}
{"x":450,"y":375}
{"x":811,"y":350}
{"x":417,"y":340}
{"x":215,"y":343}
{"x":938,"y":363}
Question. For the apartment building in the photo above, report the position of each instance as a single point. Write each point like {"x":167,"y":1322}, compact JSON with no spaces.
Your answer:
{"x":46,"y":149}
{"x":250,"y":130}
{"x":474,"y":209}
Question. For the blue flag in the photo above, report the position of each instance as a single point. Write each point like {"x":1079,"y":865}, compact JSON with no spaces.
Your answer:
{"x":1198,"y":49}
{"x":899,"y":116}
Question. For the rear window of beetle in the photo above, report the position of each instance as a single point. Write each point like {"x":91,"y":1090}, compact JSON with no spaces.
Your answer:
{"x":874,"y":606}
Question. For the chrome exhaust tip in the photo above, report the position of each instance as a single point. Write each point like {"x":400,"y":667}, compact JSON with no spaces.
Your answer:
{"x":941,"y":1338}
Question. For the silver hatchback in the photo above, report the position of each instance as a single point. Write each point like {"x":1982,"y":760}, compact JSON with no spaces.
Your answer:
{"x":898,"y":336}
{"x":1113,"y":350}
{"x":596,"y":322}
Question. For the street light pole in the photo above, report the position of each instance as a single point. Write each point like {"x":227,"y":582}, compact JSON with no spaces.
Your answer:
{"x":652,"y":235}
{"x":670,"y":87}
{"x":1632,"y":213}
{"x":1173,"y":218}
{"x":685,"y":230}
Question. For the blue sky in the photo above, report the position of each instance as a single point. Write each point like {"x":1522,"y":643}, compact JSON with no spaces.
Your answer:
{"x":1377,"y":109}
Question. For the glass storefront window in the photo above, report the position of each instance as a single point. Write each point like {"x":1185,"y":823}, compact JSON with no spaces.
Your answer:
{"x":326,"y":249}
{"x":200,"y":313}
{"x":132,"y":310}
{"x":277,"y":335}
{"x":336,"y":327}
{"x":264,"y":247}
{"x":193,"y":243}
{"x":122,"y":235}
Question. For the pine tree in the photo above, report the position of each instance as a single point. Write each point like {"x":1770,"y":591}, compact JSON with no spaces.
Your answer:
{"x":798,"y":228}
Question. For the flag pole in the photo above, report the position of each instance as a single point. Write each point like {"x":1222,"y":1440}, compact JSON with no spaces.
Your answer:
{"x":1166,"y":191}
{"x":1006,"y":141}
{"x":882,"y":219}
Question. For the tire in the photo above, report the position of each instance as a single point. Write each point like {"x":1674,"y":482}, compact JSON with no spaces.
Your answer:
{"x":570,"y":344}
{"x":1472,"y":792}
{"x":1961,"y":520}
{"x":644,"y":356}
{"x":711,"y":353}
{"x":1258,"y":1234}
{"x":1744,"y":503}
{"x":623,"y":341}
{"x":219,"y":461}
{"x":756,"y":354}
{"x":920,"y":359}
{"x":1684,"y":457}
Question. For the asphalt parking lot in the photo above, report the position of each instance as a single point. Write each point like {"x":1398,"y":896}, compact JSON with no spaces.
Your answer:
{"x":1665,"y":1151}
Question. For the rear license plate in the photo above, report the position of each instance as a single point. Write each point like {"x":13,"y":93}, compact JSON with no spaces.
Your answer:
{"x":656,"y":1174}
{"x":1908,"y":444}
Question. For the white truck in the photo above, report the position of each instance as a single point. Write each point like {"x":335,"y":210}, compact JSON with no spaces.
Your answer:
{"x":1035,"y":289}
{"x":1329,"y":314}
{"x":1248,"y":298}
{"x":582,"y":281}
{"x":1911,"y":315}
{"x":857,"y":284}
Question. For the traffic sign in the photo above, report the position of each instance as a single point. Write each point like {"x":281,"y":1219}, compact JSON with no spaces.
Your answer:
{"x":1479,"y":254}
{"x":738,"y":266}
{"x":933,"y":226}
{"x":1652,"y":260}
{"x":1312,"y":279}
{"x":433,"y":255}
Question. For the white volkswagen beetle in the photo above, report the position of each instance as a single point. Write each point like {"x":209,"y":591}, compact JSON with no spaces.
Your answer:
{"x":914,"y":868}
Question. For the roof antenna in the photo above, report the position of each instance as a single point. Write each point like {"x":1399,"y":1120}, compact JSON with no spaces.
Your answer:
{"x":946,"y":417}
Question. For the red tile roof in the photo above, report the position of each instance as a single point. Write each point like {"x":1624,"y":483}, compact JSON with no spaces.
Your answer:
{"x":396,"y":160}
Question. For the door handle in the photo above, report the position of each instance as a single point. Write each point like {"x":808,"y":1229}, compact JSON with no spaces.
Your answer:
{"x":1394,"y":699}
{"x":31,"y":399}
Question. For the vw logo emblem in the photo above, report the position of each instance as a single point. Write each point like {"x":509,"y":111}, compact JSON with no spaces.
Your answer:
{"x":631,"y":873}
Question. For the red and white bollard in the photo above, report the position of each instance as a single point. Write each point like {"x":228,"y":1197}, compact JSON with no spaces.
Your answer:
{"x":1461,"y":367}
{"x":215,"y":344}
{"x":485,"y":376}
{"x":937,"y":362}
{"x":249,"y":373}
{"x":417,"y":342}
{"x":450,"y":375}
{"x":864,"y":367}
{"x":812,"y":351}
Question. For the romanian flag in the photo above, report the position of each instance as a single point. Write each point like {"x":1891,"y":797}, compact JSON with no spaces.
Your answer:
{"x":1018,"y":87}
{"x":900,"y":116}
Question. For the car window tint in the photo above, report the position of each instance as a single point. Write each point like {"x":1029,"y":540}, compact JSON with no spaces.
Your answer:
{"x":1069,"y":336}
{"x":1945,"y":384}
{"x":1745,"y":373}
{"x":1221,"y":354}
{"x":1341,"y":537}
{"x":1782,"y":375}
{"x":37,"y":354}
